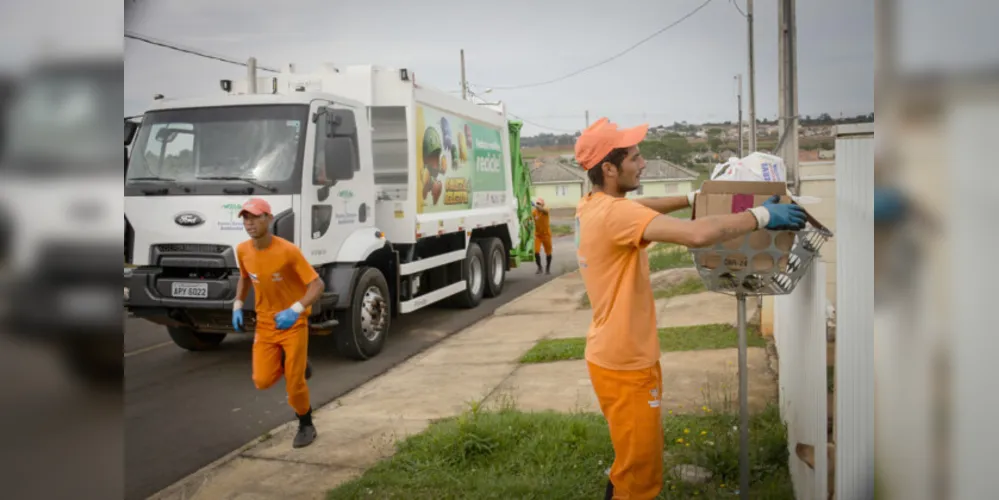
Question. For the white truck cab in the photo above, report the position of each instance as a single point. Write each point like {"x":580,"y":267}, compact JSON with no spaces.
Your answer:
{"x":353,"y":171}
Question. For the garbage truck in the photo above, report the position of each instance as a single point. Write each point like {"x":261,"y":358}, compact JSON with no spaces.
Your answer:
{"x":400,"y":196}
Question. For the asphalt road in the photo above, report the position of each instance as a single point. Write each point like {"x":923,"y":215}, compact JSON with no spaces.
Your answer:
{"x":184,"y":410}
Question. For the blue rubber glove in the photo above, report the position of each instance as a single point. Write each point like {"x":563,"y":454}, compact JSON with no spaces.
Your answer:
{"x":890,"y":205}
{"x":784,"y":216}
{"x":285,"y":319}
{"x":237,"y":319}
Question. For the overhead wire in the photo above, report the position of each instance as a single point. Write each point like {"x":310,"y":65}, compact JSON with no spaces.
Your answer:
{"x":604,"y":61}
{"x":187,"y":50}
{"x":735,"y":3}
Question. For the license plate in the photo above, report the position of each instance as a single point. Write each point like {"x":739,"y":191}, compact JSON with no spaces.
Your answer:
{"x":88,"y":303}
{"x":190,"y":290}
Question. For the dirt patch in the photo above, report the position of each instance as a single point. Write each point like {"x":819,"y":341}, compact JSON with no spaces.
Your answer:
{"x":672,"y":277}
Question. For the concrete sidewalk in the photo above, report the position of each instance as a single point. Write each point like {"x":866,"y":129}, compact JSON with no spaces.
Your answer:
{"x":478,"y":364}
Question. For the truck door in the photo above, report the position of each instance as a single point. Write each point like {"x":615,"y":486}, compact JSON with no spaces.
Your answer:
{"x":337,"y":195}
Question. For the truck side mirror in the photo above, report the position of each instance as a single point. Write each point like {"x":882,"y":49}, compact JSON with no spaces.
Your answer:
{"x":130,"y":129}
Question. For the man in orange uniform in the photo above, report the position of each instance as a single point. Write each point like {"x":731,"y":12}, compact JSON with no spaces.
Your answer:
{"x":285,"y":287}
{"x":542,"y":235}
{"x":622,"y":345}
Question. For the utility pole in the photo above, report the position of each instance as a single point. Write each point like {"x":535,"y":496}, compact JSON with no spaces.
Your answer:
{"x":251,"y":75}
{"x":739,"y":79}
{"x":788,"y":88}
{"x":587,"y":118}
{"x":464,"y":82}
{"x":752,"y":79}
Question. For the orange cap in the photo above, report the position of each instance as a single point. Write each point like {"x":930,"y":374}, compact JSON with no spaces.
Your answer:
{"x":597,"y":141}
{"x":255,"y":206}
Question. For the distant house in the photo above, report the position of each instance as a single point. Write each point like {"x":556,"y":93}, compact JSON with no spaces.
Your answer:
{"x":662,"y":178}
{"x":827,"y":154}
{"x":558,"y":183}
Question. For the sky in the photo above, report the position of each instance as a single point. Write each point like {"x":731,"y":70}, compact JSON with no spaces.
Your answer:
{"x":686,"y":73}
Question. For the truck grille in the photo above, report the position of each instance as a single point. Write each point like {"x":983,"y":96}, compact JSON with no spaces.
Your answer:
{"x":190,"y":248}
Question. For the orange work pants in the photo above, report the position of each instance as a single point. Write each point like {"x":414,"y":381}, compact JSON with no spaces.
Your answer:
{"x":631,"y":402}
{"x":267,"y":366}
{"x":543,"y":239}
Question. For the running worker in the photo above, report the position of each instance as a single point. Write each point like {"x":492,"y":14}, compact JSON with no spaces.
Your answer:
{"x":542,"y":235}
{"x":622,"y":345}
{"x":285,"y":286}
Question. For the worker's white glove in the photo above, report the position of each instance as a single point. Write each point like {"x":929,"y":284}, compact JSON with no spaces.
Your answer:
{"x":690,"y":197}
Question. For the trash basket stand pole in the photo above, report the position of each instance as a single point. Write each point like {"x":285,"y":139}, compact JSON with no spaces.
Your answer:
{"x":743,"y":401}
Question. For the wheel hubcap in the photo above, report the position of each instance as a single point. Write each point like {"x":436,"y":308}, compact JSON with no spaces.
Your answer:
{"x":476,"y":275}
{"x":497,"y":267}
{"x":373,"y":313}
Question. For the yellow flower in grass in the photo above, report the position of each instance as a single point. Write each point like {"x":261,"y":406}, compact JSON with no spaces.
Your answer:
{"x":704,"y":433}
{"x":679,"y":440}
{"x":686,"y":431}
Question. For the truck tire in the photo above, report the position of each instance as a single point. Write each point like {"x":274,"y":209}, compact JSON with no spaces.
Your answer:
{"x":187,"y":338}
{"x":473,"y":271}
{"x":495,"y":266}
{"x":363,"y":327}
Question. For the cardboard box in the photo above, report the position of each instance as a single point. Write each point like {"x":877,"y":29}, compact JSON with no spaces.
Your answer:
{"x":729,"y":197}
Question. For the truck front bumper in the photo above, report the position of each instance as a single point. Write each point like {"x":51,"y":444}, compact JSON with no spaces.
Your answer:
{"x":148,"y":295}
{"x":47,"y":308}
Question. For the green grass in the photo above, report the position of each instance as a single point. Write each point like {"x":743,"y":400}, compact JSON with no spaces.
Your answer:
{"x":562,"y":229}
{"x":669,"y":256}
{"x":688,"y":287}
{"x":682,"y":338}
{"x":511,"y":454}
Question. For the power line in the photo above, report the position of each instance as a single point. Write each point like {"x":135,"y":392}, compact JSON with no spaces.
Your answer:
{"x":735,"y":4}
{"x":186,"y":50}
{"x":605,"y":61}
{"x":553,"y":129}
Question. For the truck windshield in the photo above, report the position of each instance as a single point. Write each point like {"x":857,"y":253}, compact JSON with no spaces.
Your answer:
{"x":62,"y":117}
{"x":220,"y":144}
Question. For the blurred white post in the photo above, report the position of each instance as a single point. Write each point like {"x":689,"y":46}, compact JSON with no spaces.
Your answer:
{"x":970,"y":221}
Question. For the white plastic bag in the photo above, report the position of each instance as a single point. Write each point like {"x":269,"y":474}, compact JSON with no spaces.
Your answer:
{"x":757,"y":167}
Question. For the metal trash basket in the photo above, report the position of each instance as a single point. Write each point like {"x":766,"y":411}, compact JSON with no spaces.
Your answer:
{"x":736,"y":271}
{"x":758,"y":266}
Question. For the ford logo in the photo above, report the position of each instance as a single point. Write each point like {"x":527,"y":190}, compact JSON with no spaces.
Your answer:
{"x":189,"y":220}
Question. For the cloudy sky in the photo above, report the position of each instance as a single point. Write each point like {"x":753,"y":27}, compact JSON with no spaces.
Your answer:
{"x":686,"y":73}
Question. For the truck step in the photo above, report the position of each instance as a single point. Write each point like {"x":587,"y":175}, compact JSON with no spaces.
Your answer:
{"x":324,"y":328}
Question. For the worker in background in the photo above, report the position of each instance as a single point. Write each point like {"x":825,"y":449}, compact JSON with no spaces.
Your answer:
{"x":622,"y":345}
{"x":285,"y":286}
{"x":542,"y":235}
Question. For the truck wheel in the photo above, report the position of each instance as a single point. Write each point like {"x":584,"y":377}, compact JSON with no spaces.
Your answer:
{"x":363,"y":327}
{"x":474,"y":273}
{"x":187,"y":338}
{"x":495,"y":266}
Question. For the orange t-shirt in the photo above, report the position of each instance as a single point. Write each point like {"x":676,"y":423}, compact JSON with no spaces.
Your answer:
{"x":280,"y":276}
{"x":615,"y":270}
{"x":542,"y":223}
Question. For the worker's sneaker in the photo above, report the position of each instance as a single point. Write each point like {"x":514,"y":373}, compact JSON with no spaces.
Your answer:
{"x":305,"y":436}
{"x":306,"y":431}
